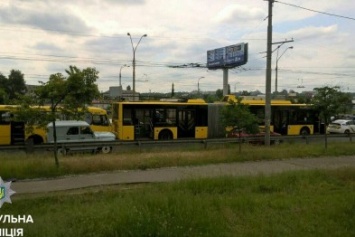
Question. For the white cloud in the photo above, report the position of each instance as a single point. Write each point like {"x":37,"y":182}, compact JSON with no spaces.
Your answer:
{"x":239,"y":13}
{"x":45,"y":37}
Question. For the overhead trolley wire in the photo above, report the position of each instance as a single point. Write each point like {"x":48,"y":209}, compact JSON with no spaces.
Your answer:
{"x":320,"y":12}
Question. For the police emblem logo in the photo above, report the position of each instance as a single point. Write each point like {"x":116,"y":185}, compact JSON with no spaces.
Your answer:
{"x":2,"y":192}
{"x":5,"y":192}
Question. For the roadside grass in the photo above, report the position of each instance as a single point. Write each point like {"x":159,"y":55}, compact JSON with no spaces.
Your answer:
{"x":41,"y":164}
{"x":297,"y":203}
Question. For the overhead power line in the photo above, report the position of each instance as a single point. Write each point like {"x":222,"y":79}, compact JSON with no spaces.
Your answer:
{"x":324,"y":13}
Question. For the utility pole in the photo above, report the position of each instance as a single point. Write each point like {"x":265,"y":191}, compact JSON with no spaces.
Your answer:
{"x":268,"y":76}
{"x":225,"y":81}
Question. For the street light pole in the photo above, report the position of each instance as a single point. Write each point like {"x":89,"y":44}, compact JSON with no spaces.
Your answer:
{"x":198,"y":86}
{"x":134,"y":48}
{"x":277,"y":61}
{"x":235,"y":87}
{"x":121,"y":70}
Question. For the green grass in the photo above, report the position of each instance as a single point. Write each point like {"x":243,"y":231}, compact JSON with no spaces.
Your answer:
{"x":302,"y":203}
{"x":41,"y":164}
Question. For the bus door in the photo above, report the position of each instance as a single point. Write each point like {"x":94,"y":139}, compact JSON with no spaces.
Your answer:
{"x":5,"y":128}
{"x":186,"y":123}
{"x":17,"y":132}
{"x":280,"y":121}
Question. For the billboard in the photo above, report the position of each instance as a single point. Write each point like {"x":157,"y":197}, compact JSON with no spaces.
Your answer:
{"x":227,"y":57}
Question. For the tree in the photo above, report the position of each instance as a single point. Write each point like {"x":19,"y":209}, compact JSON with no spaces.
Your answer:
{"x":71,"y":93}
{"x":12,"y":87}
{"x":283,"y":92}
{"x":238,"y":115}
{"x":210,"y":98}
{"x":245,"y":93}
{"x":16,"y":84}
{"x":304,"y":98}
{"x":330,"y":101}
{"x":219,"y":94}
{"x":3,"y":89}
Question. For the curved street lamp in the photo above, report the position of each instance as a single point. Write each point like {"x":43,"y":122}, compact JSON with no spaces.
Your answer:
{"x":198,"y":85}
{"x":277,"y":61}
{"x":134,"y":48}
{"x":125,"y":65}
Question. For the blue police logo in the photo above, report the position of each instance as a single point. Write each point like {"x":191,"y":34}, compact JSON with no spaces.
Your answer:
{"x":2,"y":192}
{"x":5,"y":192}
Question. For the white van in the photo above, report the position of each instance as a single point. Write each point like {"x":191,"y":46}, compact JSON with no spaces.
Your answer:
{"x":71,"y":131}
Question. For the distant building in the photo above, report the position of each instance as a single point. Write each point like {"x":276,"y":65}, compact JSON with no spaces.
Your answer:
{"x":117,"y":93}
{"x":30,"y":89}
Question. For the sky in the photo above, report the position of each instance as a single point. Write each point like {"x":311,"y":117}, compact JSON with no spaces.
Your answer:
{"x":43,"y":37}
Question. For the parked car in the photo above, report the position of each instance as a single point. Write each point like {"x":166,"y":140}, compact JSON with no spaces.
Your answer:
{"x":341,"y":126}
{"x":78,"y":131}
{"x":255,"y":138}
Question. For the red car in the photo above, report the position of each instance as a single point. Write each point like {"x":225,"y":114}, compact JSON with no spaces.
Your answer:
{"x":256,"y":138}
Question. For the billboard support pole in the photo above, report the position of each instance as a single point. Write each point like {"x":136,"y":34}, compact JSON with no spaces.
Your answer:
{"x":225,"y":81}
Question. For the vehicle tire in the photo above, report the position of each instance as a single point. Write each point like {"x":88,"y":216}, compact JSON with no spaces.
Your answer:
{"x":37,"y":140}
{"x":106,"y":149}
{"x":165,"y":135}
{"x":62,"y":151}
{"x":347,"y":132}
{"x":304,"y":132}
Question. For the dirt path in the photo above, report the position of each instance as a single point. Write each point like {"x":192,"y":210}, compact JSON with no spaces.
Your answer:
{"x":179,"y":173}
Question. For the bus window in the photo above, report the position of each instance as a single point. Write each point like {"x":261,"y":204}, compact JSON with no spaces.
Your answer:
{"x":88,"y":118}
{"x":127,"y":116}
{"x":99,"y":120}
{"x":171,"y":116}
{"x":5,"y":117}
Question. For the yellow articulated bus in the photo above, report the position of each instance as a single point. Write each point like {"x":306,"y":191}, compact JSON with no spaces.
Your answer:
{"x":11,"y":132}
{"x":286,"y":118}
{"x":160,"y":120}
{"x":14,"y":132}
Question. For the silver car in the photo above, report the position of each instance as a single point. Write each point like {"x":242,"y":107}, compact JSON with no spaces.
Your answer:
{"x":78,"y":131}
{"x":341,"y":126}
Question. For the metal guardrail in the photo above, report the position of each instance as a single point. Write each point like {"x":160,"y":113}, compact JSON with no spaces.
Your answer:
{"x":205,"y":142}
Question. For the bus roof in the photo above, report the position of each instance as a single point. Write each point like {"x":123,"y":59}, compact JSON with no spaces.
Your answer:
{"x":189,"y":102}
{"x":96,"y":110}
{"x":258,"y":100}
{"x":91,"y":109}
{"x":6,"y":107}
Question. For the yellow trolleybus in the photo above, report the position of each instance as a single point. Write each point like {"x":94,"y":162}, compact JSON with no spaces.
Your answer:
{"x":286,"y":118}
{"x":160,"y":120}
{"x":14,"y":132}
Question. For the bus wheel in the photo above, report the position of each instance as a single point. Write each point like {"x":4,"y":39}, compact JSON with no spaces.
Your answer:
{"x":276,"y":142}
{"x":61,"y":151}
{"x":37,"y":140}
{"x":304,"y":132}
{"x":106,"y":149}
{"x":165,"y":135}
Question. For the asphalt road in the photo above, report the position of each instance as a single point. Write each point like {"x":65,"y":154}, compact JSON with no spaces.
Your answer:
{"x":179,"y":173}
